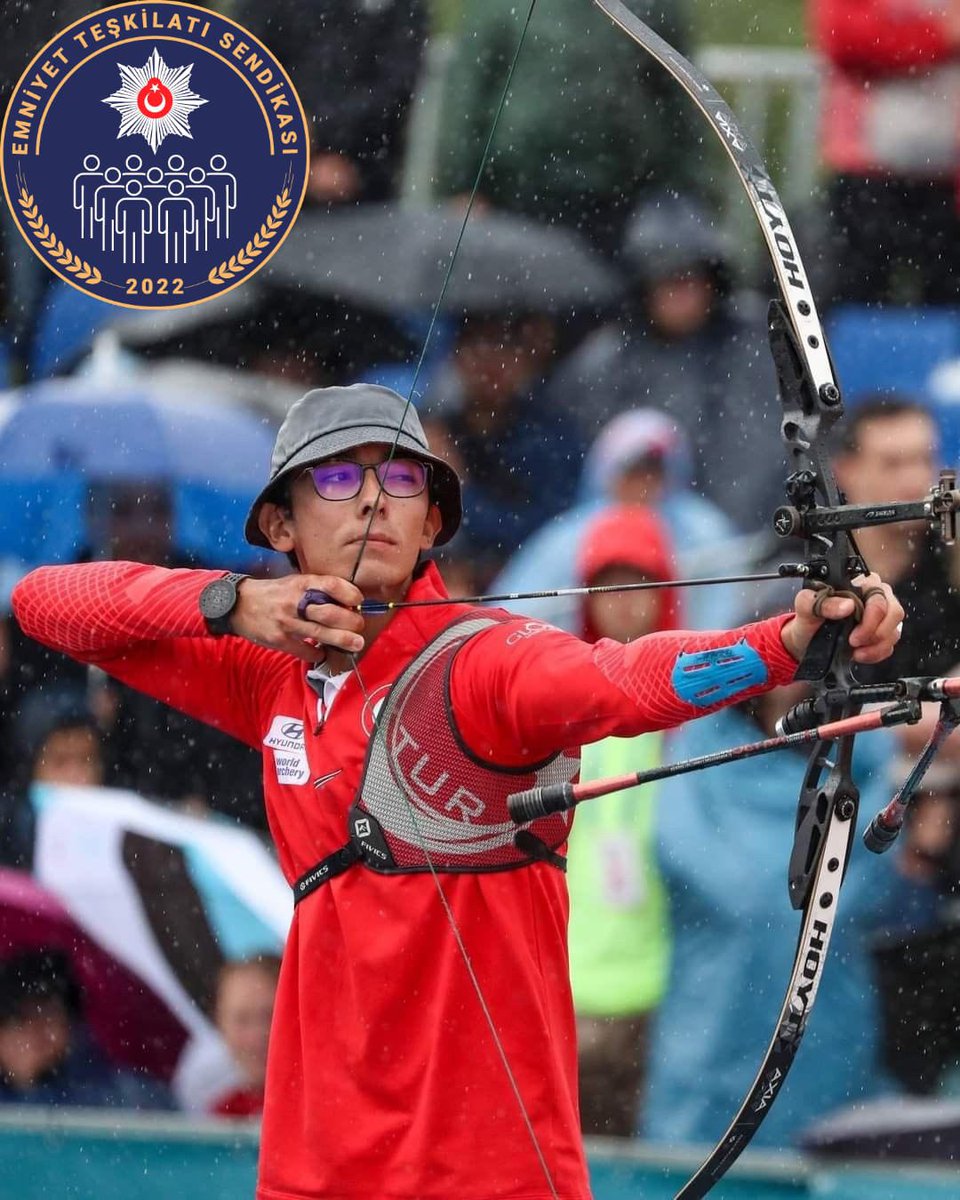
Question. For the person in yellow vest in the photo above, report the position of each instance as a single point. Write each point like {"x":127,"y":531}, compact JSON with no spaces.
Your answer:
{"x":619,"y":935}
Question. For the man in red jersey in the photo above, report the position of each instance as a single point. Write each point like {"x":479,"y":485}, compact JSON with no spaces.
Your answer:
{"x":423,"y":1042}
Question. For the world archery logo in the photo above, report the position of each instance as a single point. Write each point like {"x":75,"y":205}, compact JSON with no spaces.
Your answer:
{"x":154,"y":155}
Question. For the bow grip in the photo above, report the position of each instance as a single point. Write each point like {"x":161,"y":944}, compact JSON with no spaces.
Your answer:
{"x":819,"y":658}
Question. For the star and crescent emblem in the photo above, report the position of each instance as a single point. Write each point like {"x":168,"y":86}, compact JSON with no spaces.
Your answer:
{"x":154,"y":100}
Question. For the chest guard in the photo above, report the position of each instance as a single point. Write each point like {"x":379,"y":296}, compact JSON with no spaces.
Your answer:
{"x":423,"y":787}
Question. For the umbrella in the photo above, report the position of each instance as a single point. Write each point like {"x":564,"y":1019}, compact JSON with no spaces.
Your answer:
{"x":170,"y":897}
{"x":129,"y":1020}
{"x":394,"y":257}
{"x":271,"y":325}
{"x":131,"y":433}
{"x":58,"y":437}
{"x":277,"y":329}
{"x":261,"y":394}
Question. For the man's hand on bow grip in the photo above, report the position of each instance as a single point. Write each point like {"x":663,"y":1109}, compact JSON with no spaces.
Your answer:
{"x":875,"y":634}
{"x":266,"y":613}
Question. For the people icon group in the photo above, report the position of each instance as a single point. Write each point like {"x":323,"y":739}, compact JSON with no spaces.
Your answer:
{"x":132,"y":208}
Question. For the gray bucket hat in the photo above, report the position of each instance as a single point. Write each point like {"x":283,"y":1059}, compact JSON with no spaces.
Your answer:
{"x":328,"y":421}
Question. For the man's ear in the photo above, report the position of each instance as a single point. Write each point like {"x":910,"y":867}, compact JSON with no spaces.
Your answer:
{"x":276,"y":525}
{"x":432,"y":524}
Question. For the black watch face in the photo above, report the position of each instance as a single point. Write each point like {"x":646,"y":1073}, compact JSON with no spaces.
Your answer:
{"x":218,"y":598}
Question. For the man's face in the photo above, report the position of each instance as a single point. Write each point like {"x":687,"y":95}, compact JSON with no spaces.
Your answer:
{"x":643,"y":482}
{"x":137,"y":524}
{"x":623,"y":616}
{"x":496,"y":358}
{"x":326,"y":535}
{"x":679,"y":307}
{"x":895,"y":460}
{"x":71,"y":756}
{"x":244,"y":1010}
{"x":34,"y":1043}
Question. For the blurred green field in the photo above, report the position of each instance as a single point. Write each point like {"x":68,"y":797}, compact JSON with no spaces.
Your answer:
{"x":756,"y":22}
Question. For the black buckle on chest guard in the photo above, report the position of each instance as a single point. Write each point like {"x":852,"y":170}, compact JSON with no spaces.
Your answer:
{"x":327,"y":868}
{"x":367,"y":845}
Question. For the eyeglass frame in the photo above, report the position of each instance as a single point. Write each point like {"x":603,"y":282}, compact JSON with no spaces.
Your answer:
{"x":427,"y":476}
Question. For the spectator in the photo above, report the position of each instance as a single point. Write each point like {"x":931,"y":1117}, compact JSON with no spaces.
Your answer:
{"x":889,"y":136}
{"x":618,"y":932}
{"x":692,"y":347}
{"x":589,"y":127}
{"x":56,"y":740}
{"x":46,"y":1054}
{"x":889,"y":452}
{"x":492,"y":414}
{"x":729,"y":970}
{"x":61,"y":739}
{"x":641,"y":457}
{"x":243,"y":1011}
{"x":355,"y":66}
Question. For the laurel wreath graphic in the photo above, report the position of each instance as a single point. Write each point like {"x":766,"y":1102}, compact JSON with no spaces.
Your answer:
{"x":237,"y":263}
{"x":78,"y":267}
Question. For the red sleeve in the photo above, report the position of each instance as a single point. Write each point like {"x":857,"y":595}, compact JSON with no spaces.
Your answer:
{"x":876,"y":36}
{"x":522,"y":691}
{"x":142,"y":625}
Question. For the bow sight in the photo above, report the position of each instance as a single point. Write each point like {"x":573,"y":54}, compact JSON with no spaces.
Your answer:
{"x":807,"y":519}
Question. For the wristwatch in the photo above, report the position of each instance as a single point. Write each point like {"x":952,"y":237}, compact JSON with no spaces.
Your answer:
{"x":218,"y":600}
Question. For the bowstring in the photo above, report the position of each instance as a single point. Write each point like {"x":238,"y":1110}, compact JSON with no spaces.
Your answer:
{"x":355,"y":666}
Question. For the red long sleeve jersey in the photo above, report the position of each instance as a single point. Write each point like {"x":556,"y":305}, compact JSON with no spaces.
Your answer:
{"x":383,"y":1079}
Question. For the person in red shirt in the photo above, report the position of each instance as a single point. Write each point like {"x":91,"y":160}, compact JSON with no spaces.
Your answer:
{"x":890,"y":138}
{"x":246,"y":991}
{"x":423,"y":1043}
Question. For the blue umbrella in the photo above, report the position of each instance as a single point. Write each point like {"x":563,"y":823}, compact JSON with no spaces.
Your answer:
{"x":58,"y":438}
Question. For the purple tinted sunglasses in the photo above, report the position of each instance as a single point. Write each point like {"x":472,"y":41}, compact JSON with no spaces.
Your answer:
{"x":401,"y":478}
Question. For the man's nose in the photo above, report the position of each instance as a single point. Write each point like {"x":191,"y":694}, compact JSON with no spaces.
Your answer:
{"x":371,"y":493}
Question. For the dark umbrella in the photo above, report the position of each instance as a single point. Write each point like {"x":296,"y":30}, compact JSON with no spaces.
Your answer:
{"x":395,"y":258}
{"x":274,"y":326}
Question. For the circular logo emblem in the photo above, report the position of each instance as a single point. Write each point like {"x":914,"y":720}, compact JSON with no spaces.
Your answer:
{"x":154,"y":155}
{"x":370,"y":712}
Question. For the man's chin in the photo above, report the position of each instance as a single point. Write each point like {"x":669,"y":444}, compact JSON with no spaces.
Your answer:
{"x":378,"y":584}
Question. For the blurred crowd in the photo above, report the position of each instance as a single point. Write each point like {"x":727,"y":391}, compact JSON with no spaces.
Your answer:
{"x":612,"y":408}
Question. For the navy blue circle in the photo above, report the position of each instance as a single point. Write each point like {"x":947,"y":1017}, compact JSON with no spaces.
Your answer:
{"x":175,"y":224}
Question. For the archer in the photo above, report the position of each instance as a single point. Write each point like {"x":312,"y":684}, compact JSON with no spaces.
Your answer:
{"x":424,"y":995}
